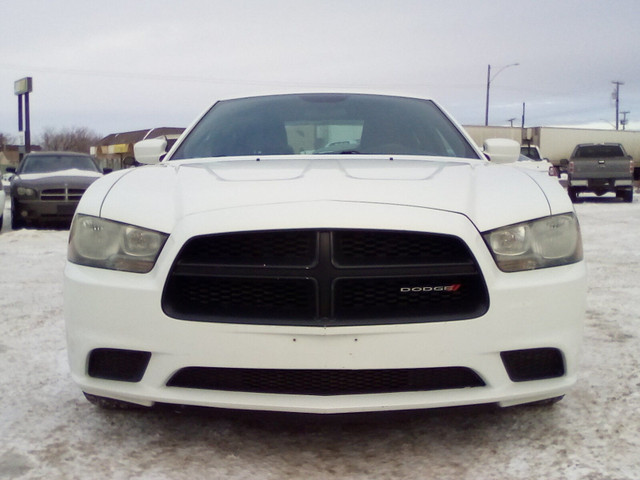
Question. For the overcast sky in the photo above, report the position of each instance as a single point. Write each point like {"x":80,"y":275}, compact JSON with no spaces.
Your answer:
{"x":127,"y":65}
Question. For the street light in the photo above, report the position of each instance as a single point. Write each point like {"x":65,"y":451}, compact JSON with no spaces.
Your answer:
{"x":489,"y":79}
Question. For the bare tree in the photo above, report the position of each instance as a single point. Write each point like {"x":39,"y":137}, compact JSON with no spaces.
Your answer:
{"x":77,"y":139}
{"x":5,"y":140}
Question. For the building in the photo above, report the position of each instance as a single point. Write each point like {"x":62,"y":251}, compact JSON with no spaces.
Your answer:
{"x":10,"y":155}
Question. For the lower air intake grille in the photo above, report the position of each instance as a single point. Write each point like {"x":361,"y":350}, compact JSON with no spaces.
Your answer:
{"x":325,"y":382}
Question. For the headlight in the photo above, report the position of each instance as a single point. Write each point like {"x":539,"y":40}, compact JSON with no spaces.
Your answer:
{"x":547,"y":242}
{"x":101,"y":243}
{"x":25,"y":192}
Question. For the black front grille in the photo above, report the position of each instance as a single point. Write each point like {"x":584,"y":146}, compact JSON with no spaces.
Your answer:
{"x":288,"y":248}
{"x":309,"y":277}
{"x":325,"y":382}
{"x":354,"y":248}
{"x":62,"y":194}
{"x":357,"y":298}
{"x":244,"y":297}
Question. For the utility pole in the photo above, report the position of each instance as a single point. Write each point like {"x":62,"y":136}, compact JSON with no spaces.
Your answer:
{"x":616,"y":96}
{"x":624,"y":119}
{"x":486,"y":108}
{"x":511,"y":120}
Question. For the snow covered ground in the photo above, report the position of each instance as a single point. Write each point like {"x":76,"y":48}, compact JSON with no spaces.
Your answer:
{"x":48,"y":430}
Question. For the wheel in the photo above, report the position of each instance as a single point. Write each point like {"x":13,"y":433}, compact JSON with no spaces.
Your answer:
{"x":112,"y":403}
{"x":627,"y":195}
{"x":573,"y":195}
{"x":16,"y":222}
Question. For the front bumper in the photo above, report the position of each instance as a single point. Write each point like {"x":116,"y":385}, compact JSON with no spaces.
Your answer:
{"x":41,"y":211}
{"x":528,"y":310}
{"x":599,"y":183}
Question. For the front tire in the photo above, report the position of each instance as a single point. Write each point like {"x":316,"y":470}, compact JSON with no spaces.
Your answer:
{"x":16,"y":222}
{"x":573,"y":195}
{"x":112,"y":403}
{"x":547,"y":402}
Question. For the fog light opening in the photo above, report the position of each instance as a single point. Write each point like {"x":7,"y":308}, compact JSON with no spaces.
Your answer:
{"x":533,"y":364}
{"x":116,"y":364}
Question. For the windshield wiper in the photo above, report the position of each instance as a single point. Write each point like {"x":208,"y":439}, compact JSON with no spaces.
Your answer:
{"x":338,"y":152}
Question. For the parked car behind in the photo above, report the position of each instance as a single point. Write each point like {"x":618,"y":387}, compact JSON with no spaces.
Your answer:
{"x":531,"y":151}
{"x":541,"y":165}
{"x":531,"y":158}
{"x":47,"y":187}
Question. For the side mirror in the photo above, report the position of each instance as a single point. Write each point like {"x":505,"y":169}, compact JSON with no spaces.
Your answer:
{"x":150,"y":151}
{"x":501,"y":150}
{"x":11,"y":169}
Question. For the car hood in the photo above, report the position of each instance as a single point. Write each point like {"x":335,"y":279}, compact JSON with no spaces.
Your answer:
{"x":73,"y":177}
{"x":489,"y":195}
{"x":539,"y":165}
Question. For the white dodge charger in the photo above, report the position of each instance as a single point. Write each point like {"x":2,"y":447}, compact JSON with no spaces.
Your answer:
{"x":324,"y":253}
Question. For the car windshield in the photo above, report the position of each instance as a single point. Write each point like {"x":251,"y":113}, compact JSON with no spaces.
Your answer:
{"x":324,"y":124}
{"x":596,"y":151}
{"x":57,"y":163}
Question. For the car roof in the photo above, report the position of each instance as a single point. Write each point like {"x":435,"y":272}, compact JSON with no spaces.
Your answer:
{"x":325,"y":91}
{"x":596,"y":144}
{"x":57,"y":152}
